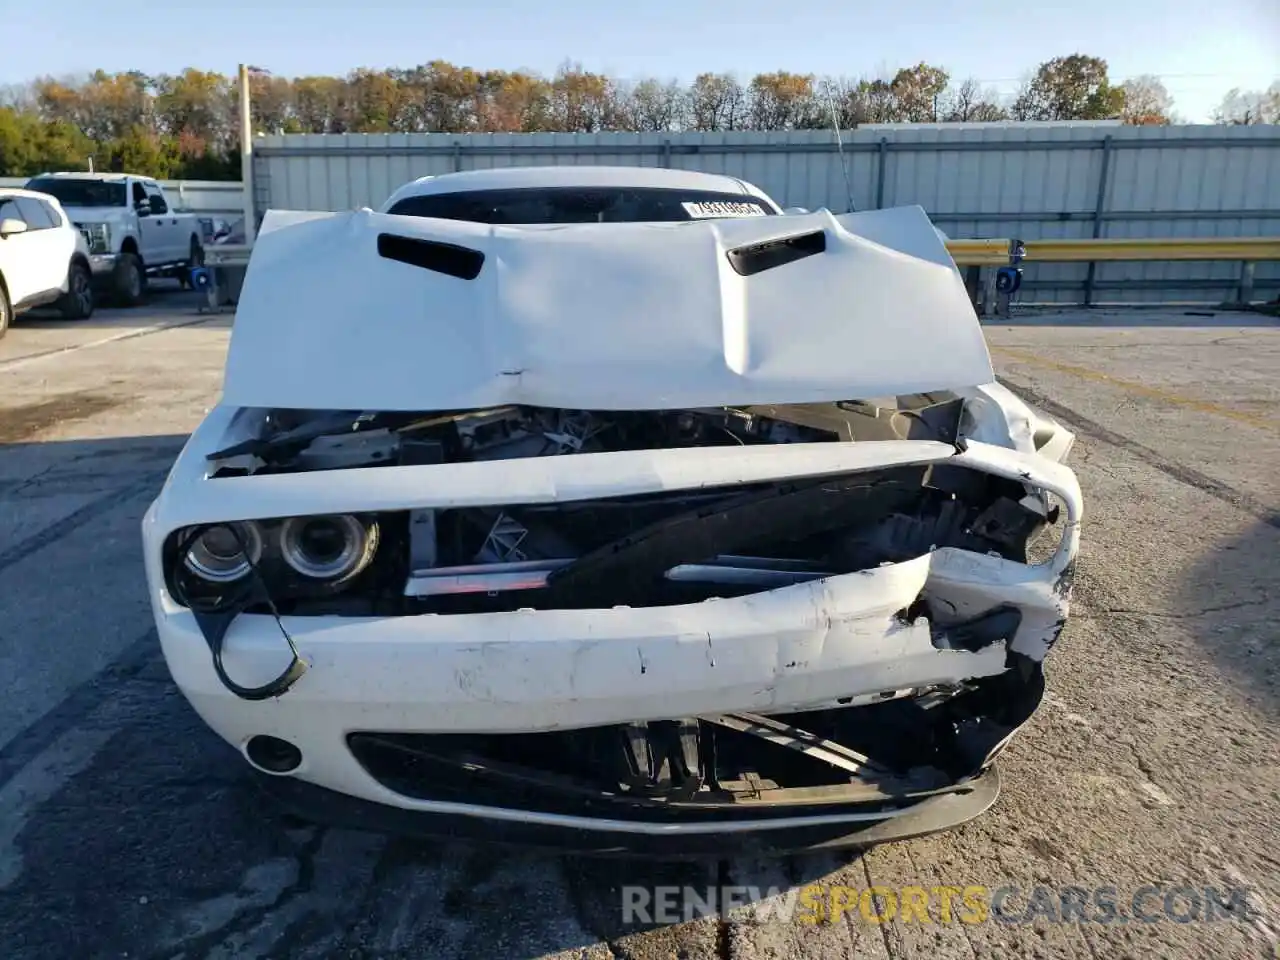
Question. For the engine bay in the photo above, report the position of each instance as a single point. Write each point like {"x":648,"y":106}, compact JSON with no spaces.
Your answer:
{"x":676,"y":547}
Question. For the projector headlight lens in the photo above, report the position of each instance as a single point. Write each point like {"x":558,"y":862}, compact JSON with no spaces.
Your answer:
{"x":219,"y":554}
{"x":330,"y":548}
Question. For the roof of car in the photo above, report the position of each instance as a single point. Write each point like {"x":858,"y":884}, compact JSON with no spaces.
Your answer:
{"x":30,"y":194}
{"x":509,"y":178}
{"x":86,"y":175}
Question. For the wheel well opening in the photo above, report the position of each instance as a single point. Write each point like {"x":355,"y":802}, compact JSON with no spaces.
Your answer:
{"x":129,"y":246}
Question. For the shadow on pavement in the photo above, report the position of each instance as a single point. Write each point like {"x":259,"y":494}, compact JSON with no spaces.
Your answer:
{"x":1231,"y":601}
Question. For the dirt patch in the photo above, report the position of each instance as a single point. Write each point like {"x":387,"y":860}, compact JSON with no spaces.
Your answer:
{"x":25,"y":421}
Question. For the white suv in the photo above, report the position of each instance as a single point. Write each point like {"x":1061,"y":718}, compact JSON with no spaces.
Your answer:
{"x":44,"y":259}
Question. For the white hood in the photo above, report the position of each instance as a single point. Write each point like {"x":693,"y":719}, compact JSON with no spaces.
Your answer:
{"x":599,"y":316}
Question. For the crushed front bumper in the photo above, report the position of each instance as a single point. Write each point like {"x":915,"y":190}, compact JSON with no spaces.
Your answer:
{"x":598,"y":836}
{"x":843,"y":641}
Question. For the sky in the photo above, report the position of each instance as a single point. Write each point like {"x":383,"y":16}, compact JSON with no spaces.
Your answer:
{"x":1200,"y":50}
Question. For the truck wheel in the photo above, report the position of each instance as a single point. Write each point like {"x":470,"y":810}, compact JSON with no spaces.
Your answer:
{"x":130,"y":280}
{"x":77,"y":302}
{"x":6,"y":311}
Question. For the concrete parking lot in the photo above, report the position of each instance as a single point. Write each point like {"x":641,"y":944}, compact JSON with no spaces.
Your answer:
{"x":129,"y":830}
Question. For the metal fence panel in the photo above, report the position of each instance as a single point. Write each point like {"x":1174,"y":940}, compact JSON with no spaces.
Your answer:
{"x":1031,"y":181}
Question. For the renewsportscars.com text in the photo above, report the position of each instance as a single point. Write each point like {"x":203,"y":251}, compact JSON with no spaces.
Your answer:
{"x":970,"y":904}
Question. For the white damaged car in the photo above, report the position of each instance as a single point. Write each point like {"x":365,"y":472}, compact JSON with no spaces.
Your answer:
{"x":613,"y":509}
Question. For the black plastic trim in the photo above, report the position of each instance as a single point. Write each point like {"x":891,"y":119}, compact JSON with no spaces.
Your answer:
{"x":311,"y":802}
{"x":447,"y":258}
{"x":748,"y":261}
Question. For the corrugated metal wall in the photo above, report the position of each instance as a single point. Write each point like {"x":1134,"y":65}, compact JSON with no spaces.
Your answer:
{"x":1020,"y":180}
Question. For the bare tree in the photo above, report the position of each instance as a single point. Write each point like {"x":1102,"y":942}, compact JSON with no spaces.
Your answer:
{"x":654,"y":105}
{"x":969,"y":103}
{"x":1146,"y":101}
{"x":717,"y":102}
{"x":18,"y":96}
{"x":1242,"y":107}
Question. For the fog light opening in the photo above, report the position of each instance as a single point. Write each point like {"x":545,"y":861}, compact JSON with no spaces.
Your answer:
{"x":273,"y":755}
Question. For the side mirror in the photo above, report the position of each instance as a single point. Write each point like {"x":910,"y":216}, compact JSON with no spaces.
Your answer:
{"x":143,"y":208}
{"x":10,"y":226}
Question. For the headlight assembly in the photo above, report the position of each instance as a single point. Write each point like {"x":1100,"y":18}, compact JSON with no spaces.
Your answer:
{"x":329,"y":548}
{"x":97,"y":236}
{"x":221,"y":564}
{"x":225,"y":553}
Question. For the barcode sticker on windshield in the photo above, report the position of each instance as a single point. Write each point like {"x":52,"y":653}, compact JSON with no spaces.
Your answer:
{"x":705,"y":210}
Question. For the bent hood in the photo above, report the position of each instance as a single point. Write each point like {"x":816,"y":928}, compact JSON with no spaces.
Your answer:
{"x":598,"y":316}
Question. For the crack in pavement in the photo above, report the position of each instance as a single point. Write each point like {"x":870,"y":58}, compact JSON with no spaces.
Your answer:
{"x":1177,"y":471}
{"x":884,"y":931}
{"x":1098,"y":612}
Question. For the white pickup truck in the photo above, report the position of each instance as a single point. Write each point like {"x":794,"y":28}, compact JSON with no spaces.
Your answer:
{"x":132,"y":229}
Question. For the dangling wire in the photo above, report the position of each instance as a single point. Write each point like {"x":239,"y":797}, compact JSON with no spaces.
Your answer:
{"x":215,"y":615}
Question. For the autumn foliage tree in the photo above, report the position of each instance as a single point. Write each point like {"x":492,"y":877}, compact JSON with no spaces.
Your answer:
{"x":186,"y":124}
{"x":1069,"y":88}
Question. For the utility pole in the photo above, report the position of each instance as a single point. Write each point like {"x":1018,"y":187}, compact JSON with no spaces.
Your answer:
{"x":246,"y":157}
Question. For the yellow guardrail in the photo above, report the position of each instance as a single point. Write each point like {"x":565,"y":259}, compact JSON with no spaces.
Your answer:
{"x":981,"y":253}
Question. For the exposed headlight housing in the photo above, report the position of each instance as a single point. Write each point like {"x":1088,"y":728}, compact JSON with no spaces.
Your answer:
{"x":218,"y":565}
{"x":225,"y":553}
{"x":329,"y":548}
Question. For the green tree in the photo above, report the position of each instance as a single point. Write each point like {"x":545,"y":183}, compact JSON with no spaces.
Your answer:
{"x":140,"y":150}
{"x":16,"y":146}
{"x":1069,"y":88}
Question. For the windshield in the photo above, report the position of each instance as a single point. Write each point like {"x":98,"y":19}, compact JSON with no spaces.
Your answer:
{"x":81,"y":193}
{"x":533,"y":205}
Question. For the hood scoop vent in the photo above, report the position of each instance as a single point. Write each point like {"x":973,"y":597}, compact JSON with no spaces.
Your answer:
{"x":448,"y":258}
{"x":759,"y":257}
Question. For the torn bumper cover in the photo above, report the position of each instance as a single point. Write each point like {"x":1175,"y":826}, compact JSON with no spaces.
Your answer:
{"x":849,"y":708}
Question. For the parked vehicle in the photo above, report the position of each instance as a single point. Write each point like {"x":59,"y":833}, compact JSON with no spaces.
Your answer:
{"x":44,"y":260}
{"x":132,"y":229}
{"x":614,"y":509}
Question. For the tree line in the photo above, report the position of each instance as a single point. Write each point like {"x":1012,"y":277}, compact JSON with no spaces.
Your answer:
{"x":186,"y":125}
